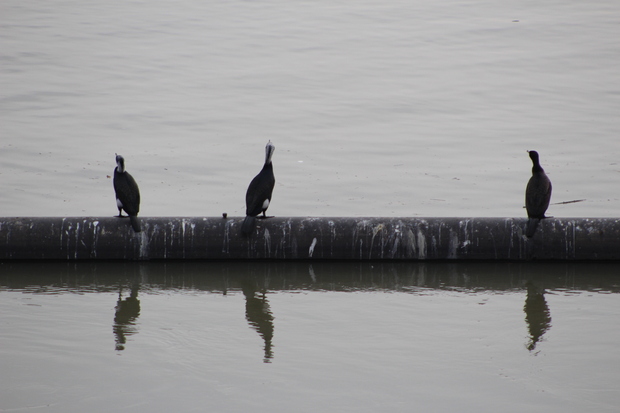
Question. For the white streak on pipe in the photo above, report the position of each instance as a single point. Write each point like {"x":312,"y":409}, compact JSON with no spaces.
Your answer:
{"x":311,"y":249}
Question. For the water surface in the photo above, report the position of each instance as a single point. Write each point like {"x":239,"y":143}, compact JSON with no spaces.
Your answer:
{"x":281,"y":337}
{"x":404,"y":108}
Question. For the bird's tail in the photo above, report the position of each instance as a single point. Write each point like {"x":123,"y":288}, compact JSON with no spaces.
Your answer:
{"x":135,"y":223}
{"x":248,"y":225}
{"x":530,"y":229}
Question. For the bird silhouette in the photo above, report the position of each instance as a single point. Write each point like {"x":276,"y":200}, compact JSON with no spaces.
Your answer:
{"x":258,"y":195}
{"x":537,"y":195}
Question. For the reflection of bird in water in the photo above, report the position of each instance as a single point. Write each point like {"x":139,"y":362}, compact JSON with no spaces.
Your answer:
{"x":127,"y":311}
{"x":537,"y":315}
{"x":537,"y":195}
{"x":259,"y":316}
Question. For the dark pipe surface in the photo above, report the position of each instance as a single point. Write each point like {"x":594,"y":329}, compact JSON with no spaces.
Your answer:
{"x":74,"y":238}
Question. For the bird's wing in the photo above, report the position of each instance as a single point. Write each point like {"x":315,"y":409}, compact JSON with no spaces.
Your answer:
{"x":128,"y":193}
{"x":259,"y":190}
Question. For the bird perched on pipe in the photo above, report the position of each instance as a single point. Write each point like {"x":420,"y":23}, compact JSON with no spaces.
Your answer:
{"x":258,"y":195}
{"x":537,"y":195}
{"x":127,"y":193}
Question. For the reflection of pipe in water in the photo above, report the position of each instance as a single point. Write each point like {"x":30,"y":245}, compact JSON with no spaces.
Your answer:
{"x":537,"y":315}
{"x":127,"y":310}
{"x":259,"y":315}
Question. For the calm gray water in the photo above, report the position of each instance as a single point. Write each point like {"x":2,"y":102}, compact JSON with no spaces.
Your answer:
{"x":399,"y":108}
{"x":309,"y":337}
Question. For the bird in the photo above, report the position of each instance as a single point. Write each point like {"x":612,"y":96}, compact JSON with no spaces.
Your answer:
{"x":258,"y":195}
{"x":127,"y":193}
{"x":537,"y":195}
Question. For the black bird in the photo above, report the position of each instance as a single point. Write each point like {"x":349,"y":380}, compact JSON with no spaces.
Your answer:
{"x":127,"y":193}
{"x":537,"y":195}
{"x":258,"y":196}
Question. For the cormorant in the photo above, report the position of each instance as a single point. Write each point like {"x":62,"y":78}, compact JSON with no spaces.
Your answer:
{"x":537,"y":195}
{"x":258,"y":196}
{"x":127,"y":193}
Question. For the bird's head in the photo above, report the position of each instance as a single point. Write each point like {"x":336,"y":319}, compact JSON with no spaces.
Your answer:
{"x":120,"y":163}
{"x":269,"y":149}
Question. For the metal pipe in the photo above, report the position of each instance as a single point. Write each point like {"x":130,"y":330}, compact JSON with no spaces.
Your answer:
{"x":299,"y":238}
